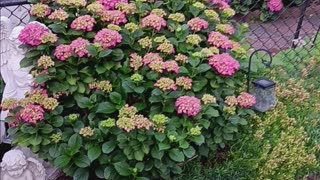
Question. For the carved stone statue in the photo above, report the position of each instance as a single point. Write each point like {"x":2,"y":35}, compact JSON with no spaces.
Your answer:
{"x":15,"y":166}
{"x":17,"y":80}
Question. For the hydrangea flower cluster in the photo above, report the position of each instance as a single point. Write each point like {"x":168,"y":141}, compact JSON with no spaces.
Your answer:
{"x":107,"y":38}
{"x":8,"y":104}
{"x":153,"y":21}
{"x":86,"y":131}
{"x":224,"y":64}
{"x":104,"y":86}
{"x":32,"y":114}
{"x":159,"y":121}
{"x":85,"y":23}
{"x":45,"y":62}
{"x":48,"y":38}
{"x":40,"y":10}
{"x":166,"y":84}
{"x":184,"y":82}
{"x":79,"y":46}
{"x":219,"y":40}
{"x":114,"y":17}
{"x":246,"y":100}
{"x":111,"y":4}
{"x":188,"y":105}
{"x":225,"y":28}
{"x":208,"y":99}
{"x":129,"y":120}
{"x":59,"y":14}
{"x":31,"y":34}
{"x":275,"y":5}
{"x":197,"y":24}
{"x":63,"y":52}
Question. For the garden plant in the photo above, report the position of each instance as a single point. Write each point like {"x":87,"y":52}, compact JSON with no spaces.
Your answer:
{"x":130,"y":89}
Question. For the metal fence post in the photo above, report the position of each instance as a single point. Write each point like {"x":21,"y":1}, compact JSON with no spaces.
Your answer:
{"x":302,"y":14}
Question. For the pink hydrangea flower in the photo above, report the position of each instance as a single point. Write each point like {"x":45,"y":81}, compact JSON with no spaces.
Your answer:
{"x":188,"y":105}
{"x":165,"y":84}
{"x":31,"y":34}
{"x":225,"y":28}
{"x":40,"y":10}
{"x":59,"y":14}
{"x":171,"y":66}
{"x":275,"y":5}
{"x":84,"y":23}
{"x":107,"y":38}
{"x":79,"y":46}
{"x":197,"y":24}
{"x":154,"y":21}
{"x":166,"y":47}
{"x":48,"y":37}
{"x":224,"y":64}
{"x":149,"y":57}
{"x":32,"y":113}
{"x":111,"y":4}
{"x":156,"y":66}
{"x":63,"y":52}
{"x":135,"y":61}
{"x":246,"y":100}
{"x":184,"y":82}
{"x":219,"y":40}
{"x":114,"y":17}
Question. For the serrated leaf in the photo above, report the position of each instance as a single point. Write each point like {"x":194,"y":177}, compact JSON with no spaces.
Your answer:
{"x":176,"y":155}
{"x":82,"y":161}
{"x":94,"y":152}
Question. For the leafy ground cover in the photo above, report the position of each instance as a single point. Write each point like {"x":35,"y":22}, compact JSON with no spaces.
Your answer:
{"x":282,"y":143}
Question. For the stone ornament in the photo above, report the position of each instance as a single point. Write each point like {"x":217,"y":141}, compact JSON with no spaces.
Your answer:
{"x":17,"y":80}
{"x":15,"y":166}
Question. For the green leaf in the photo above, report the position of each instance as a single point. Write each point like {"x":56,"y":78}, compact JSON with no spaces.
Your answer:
{"x":176,"y":155}
{"x":35,"y":140}
{"x":189,"y":152}
{"x":83,"y":102}
{"x":94,"y":152}
{"x":108,"y":147}
{"x":42,"y":78}
{"x":81,"y":174}
{"x":227,"y":136}
{"x":32,"y":54}
{"x":57,"y":121}
{"x":72,"y":80}
{"x":122,"y":168}
{"x":92,"y":50}
{"x":163,"y":146}
{"x":156,"y":153}
{"x":198,"y":85}
{"x":198,"y":139}
{"x":105,"y":53}
{"x":106,"y":108}
{"x":118,"y":54}
{"x":26,"y":62}
{"x":28,"y":129}
{"x":203,"y":68}
{"x":107,"y":172}
{"x":138,"y":155}
{"x":82,"y":161}
{"x":243,"y":121}
{"x":53,"y":151}
{"x":74,"y":32}
{"x":75,"y":141}
{"x":57,"y":28}
{"x":115,"y":97}
{"x":212,"y":112}
{"x":61,"y":161}
{"x":183,"y":144}
{"x":218,"y":139}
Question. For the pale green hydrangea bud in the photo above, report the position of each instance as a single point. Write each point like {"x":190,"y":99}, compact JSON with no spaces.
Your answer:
{"x":196,"y":131}
{"x":55,"y":138}
{"x":73,"y":117}
{"x":131,"y":27}
{"x":86,"y":131}
{"x":193,"y":39}
{"x":178,"y":17}
{"x":199,"y":5}
{"x":160,"y":39}
{"x":136,"y":77}
{"x":229,"y":110}
{"x":172,"y":138}
{"x":108,"y":123}
{"x":114,"y":27}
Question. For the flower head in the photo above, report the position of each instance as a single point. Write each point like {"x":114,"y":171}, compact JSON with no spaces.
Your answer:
{"x":114,"y":17}
{"x":31,"y":113}
{"x":188,"y":105}
{"x":59,"y":14}
{"x":224,"y":64}
{"x":49,"y":103}
{"x":79,"y":47}
{"x":145,"y":42}
{"x":184,"y":82}
{"x":225,"y":28}
{"x":111,"y":4}
{"x":153,"y":21}
{"x":48,"y":38}
{"x":107,"y":38}
{"x":171,"y":66}
{"x":63,"y":52}
{"x":131,"y":27}
{"x":8,"y":104}
{"x":45,"y":62}
{"x":31,"y":34}
{"x":40,"y":10}
{"x":212,"y":15}
{"x":108,"y":123}
{"x":208,"y":99}
{"x":231,"y":101}
{"x":219,"y":40}
{"x":275,"y":5}
{"x":246,"y":100}
{"x":127,"y":8}
{"x":193,"y":39}
{"x":181,"y":58}
{"x":149,"y":57}
{"x":178,"y":17}
{"x":166,"y":47}
{"x":96,"y":7}
{"x":135,"y":61}
{"x":197,"y":24}
{"x":159,"y":12}
{"x":165,"y":84}
{"x":86,"y":131}
{"x":85,"y":23}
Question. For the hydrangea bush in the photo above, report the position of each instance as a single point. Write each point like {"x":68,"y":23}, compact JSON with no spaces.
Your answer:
{"x":130,"y":88}
{"x":268,"y":8}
